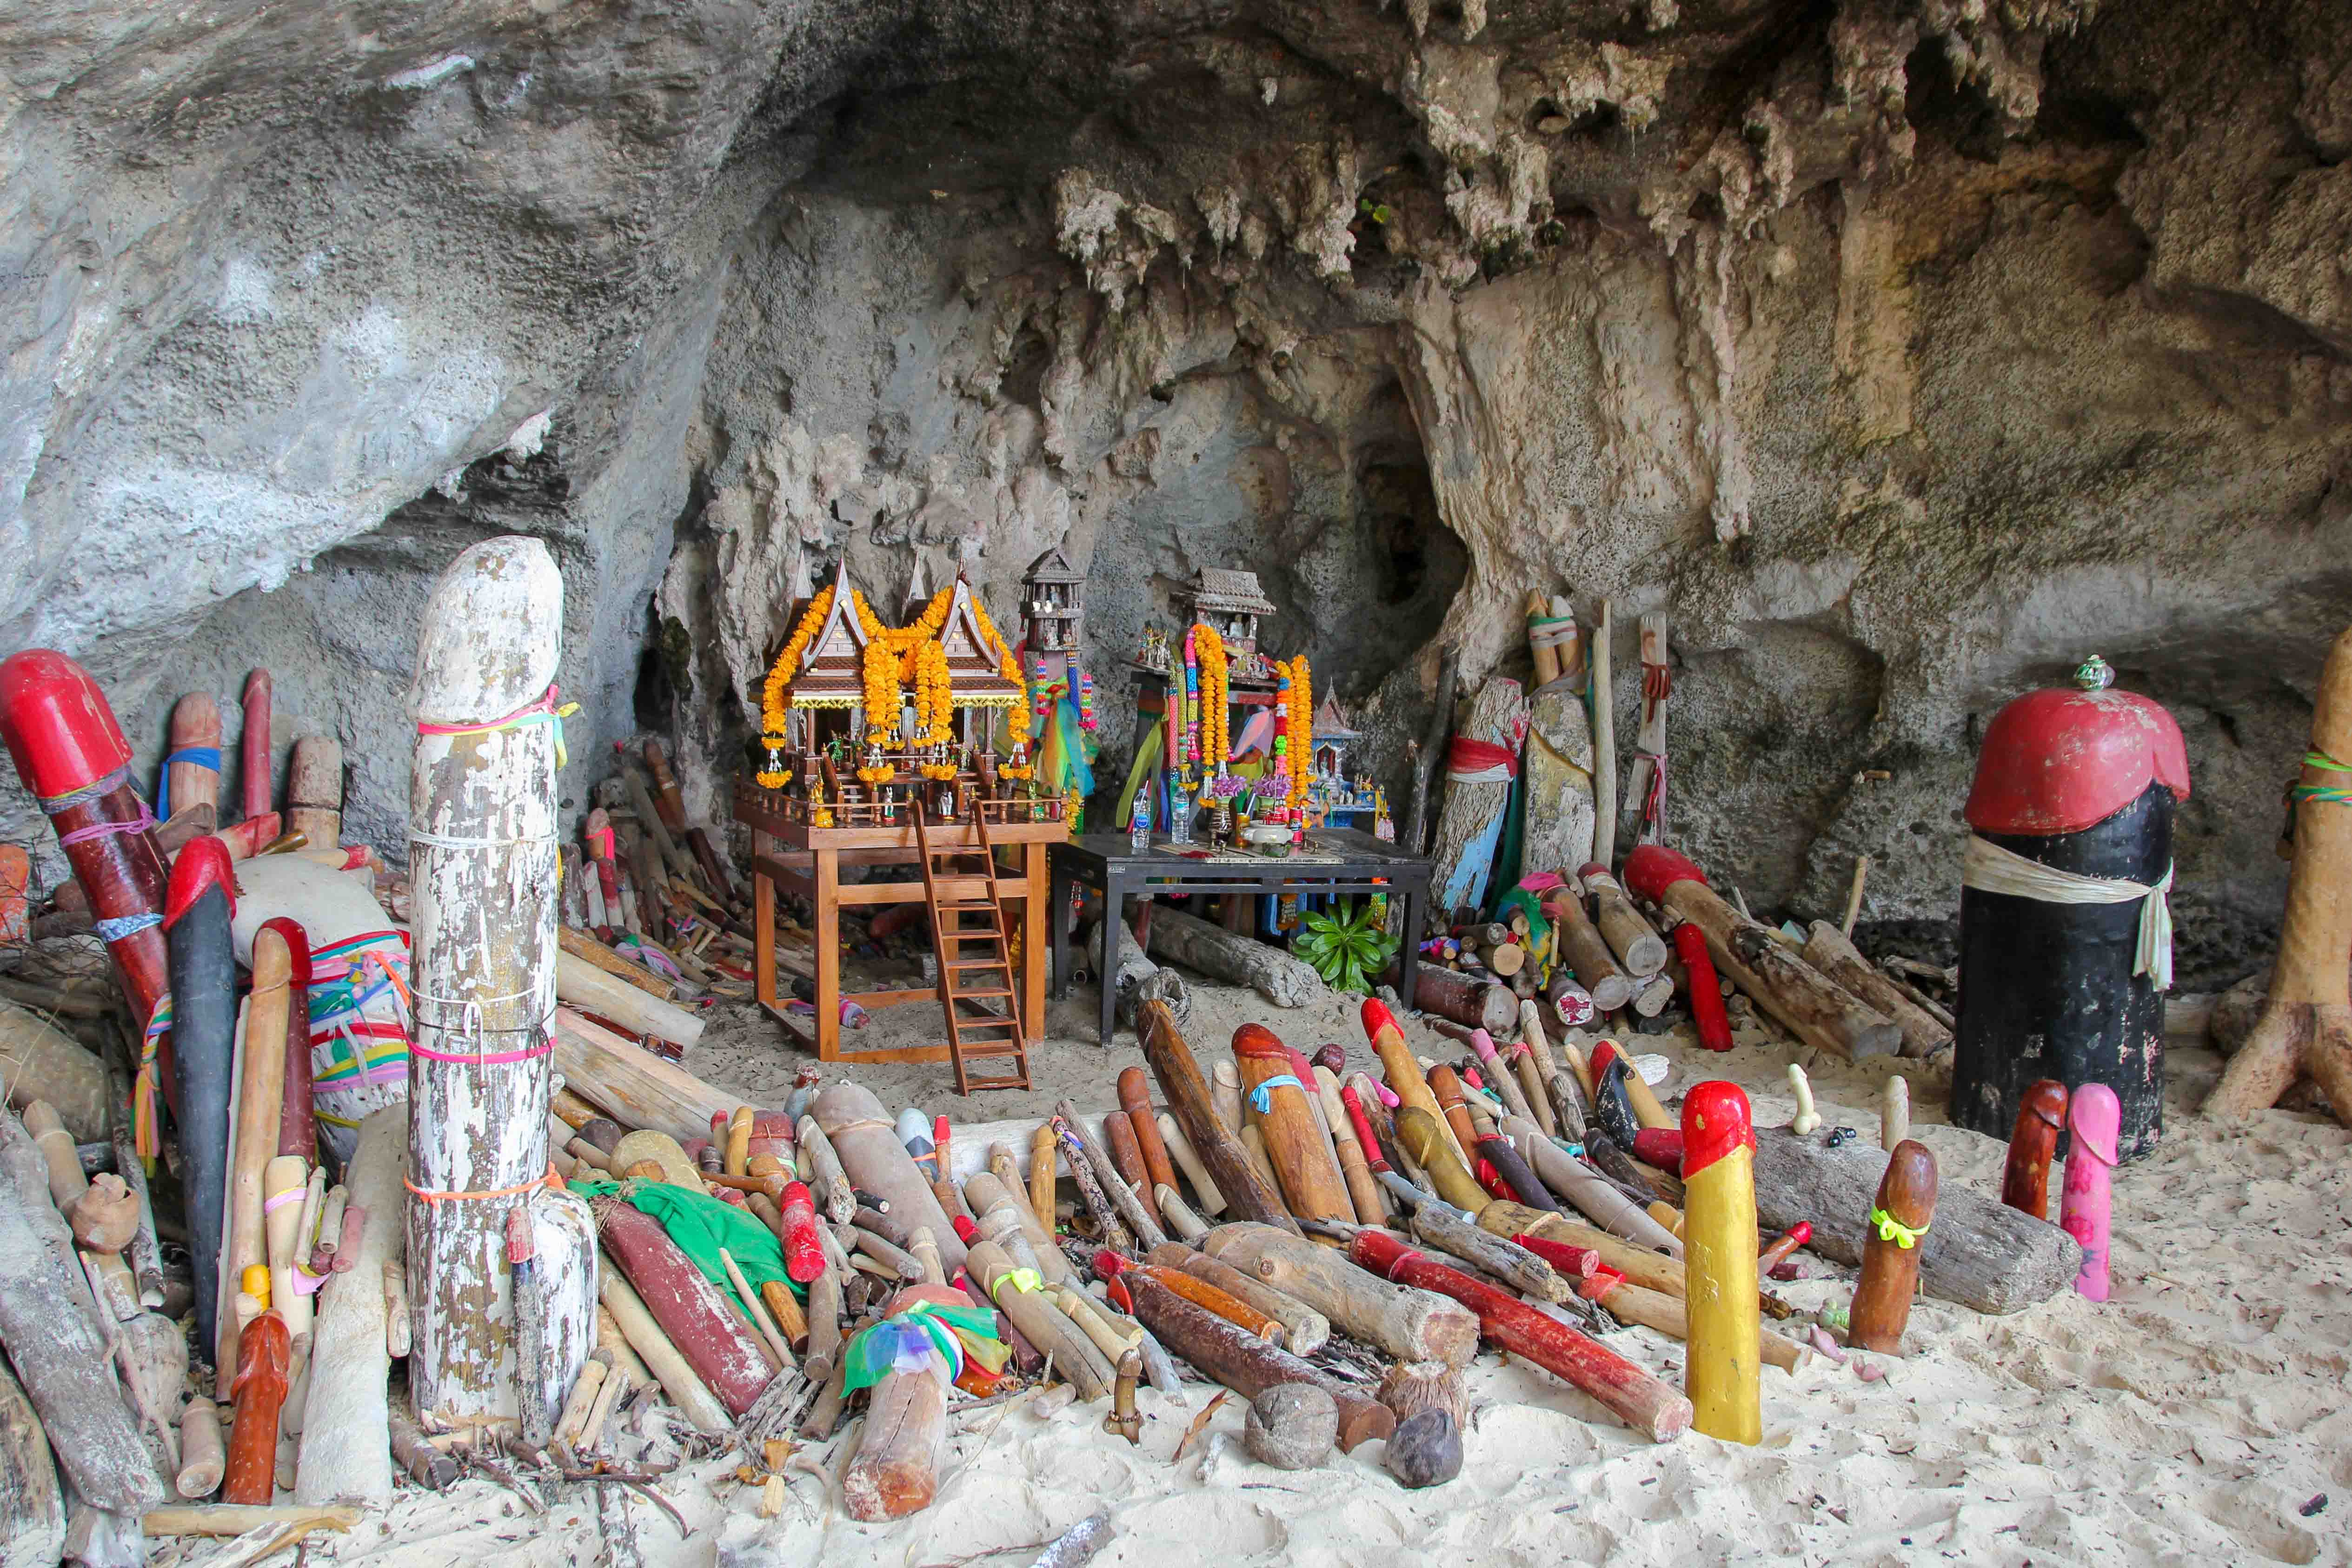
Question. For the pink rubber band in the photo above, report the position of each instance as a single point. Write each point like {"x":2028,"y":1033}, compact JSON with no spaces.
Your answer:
{"x":490,"y":1059}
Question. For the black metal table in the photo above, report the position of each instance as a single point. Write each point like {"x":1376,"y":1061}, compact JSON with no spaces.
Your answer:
{"x":1105,"y":860}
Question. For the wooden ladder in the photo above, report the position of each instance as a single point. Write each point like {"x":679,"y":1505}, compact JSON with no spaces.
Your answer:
{"x":956,"y":894}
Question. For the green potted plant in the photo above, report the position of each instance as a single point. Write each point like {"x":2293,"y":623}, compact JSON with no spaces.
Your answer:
{"x":1349,"y":947}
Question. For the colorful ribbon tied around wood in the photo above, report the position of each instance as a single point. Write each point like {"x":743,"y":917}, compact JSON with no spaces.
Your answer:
{"x":546,"y":711}
{"x":2333,"y":795}
{"x":1895,"y":1230}
{"x":1261,"y":1099}
{"x":58,"y":805}
{"x":146,"y":1136}
{"x":1480,"y":762}
{"x":927,"y":1337}
{"x":196,"y":756}
{"x":360,"y":1032}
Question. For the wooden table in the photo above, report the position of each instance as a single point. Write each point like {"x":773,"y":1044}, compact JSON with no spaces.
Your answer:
{"x":1105,"y":860}
{"x":810,"y":860}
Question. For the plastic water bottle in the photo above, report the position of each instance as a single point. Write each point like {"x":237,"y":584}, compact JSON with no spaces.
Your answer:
{"x":1138,"y":832}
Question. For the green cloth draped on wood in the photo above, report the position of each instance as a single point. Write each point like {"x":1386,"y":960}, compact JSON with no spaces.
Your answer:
{"x":701,"y":1225}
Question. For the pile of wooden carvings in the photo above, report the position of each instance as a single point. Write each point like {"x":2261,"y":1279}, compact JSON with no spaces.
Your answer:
{"x":1591,"y":936}
{"x":1372,"y":1234}
{"x":1592,"y":945}
{"x":658,"y":890}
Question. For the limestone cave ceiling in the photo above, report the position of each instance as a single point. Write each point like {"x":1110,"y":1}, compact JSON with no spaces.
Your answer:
{"x":1905,"y":349}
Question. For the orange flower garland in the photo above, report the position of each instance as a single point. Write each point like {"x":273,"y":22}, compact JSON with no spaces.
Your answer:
{"x":1016,"y":718}
{"x":771,"y":696}
{"x":1302,"y":729}
{"x":934,"y":704}
{"x":1209,"y":648}
{"x":886,"y":651}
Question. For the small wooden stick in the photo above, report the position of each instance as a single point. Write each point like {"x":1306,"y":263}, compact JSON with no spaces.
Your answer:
{"x":1181,"y":1148}
{"x":1188,"y":1225}
{"x":1126,"y":1156}
{"x":1854,"y":896}
{"x":785,"y":1309}
{"x":581,"y":1399}
{"x":925,"y":1248}
{"x":236,"y":1518}
{"x":614,"y":1388}
{"x":201,"y":1456}
{"x":820,"y":1169}
{"x":1093,"y":1190}
{"x":757,"y":1312}
{"x":1305,"y":1330}
{"x":738,"y":1141}
{"x":1135,"y":1100}
{"x":1044,"y":1152}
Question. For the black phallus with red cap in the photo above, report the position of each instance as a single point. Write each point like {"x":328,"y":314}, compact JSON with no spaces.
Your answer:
{"x":2065,"y":931}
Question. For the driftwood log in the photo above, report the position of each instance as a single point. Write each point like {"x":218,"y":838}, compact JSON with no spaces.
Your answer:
{"x":1657,"y":1410}
{"x":1832,"y":952}
{"x":32,"y":1503}
{"x":1410,"y":1324}
{"x":314,"y":791}
{"x":1603,"y":695}
{"x":865,"y":1141}
{"x":1559,"y":770}
{"x":1582,"y":951}
{"x":1247,"y":1195}
{"x":39,"y":1061}
{"x":1247,"y":1364}
{"x":634,"y":1086}
{"x":1305,"y":1330}
{"x":1822,"y":1013}
{"x":1220,"y":954}
{"x":689,"y":1309}
{"x":346,"y":1451}
{"x":1430,"y":749}
{"x":1981,"y":1255}
{"x":1466,"y":1000}
{"x":48,"y":1329}
{"x":580,"y":983}
{"x":1641,"y":950}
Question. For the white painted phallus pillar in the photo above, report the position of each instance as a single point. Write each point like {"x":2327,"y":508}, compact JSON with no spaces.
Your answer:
{"x":482,"y":878}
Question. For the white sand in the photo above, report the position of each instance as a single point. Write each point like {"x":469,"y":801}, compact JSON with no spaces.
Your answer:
{"x":2188,"y":1419}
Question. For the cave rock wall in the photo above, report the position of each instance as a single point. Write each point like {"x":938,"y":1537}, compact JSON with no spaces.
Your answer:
{"x":1904,"y":351}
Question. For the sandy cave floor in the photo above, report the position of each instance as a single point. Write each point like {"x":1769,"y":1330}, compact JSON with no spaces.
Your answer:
{"x":2190,"y":1419}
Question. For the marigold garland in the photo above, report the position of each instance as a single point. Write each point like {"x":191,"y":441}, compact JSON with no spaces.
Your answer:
{"x":1302,"y":728}
{"x":1215,"y":727}
{"x":884,"y":668}
{"x":894,"y":658}
{"x":1016,"y":718}
{"x":780,"y":675}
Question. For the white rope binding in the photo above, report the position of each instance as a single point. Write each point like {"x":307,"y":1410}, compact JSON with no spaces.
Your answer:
{"x":1989,"y":868}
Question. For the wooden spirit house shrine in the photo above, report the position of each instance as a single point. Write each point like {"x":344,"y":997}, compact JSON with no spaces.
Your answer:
{"x":881,"y":749}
